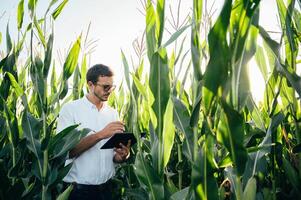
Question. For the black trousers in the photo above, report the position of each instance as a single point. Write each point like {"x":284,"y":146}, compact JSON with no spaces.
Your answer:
{"x":90,"y":192}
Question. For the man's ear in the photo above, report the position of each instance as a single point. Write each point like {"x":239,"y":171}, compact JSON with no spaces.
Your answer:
{"x":89,"y":83}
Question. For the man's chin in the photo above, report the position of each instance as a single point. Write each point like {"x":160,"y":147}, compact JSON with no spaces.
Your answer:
{"x":104,"y":98}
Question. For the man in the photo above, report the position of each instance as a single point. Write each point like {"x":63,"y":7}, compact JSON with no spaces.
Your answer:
{"x":93,"y":167}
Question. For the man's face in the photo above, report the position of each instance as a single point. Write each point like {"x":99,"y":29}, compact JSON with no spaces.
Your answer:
{"x":102,"y":88}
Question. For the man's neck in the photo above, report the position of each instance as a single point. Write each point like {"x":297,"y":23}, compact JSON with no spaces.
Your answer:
{"x":95,"y":100}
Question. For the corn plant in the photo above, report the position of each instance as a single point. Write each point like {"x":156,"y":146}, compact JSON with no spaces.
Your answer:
{"x":229,"y":142}
{"x":32,"y":156}
{"x":207,"y":141}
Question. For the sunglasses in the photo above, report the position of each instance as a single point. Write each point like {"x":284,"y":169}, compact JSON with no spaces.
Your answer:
{"x":106,"y":87}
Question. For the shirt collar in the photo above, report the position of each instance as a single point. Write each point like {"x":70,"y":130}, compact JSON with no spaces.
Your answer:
{"x":90,"y":104}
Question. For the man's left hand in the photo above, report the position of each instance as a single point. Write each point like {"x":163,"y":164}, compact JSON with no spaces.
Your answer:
{"x":123,"y":153}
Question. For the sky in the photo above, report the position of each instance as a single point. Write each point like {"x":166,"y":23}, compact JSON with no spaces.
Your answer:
{"x":115,"y":24}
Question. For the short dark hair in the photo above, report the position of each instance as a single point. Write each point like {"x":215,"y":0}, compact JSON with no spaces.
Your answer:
{"x":98,"y":70}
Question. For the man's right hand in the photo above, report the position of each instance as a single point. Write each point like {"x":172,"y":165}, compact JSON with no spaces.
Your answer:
{"x":111,"y":129}
{"x":86,"y":142}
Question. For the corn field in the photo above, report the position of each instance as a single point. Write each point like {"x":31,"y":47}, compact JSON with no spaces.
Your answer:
{"x":206,"y":136}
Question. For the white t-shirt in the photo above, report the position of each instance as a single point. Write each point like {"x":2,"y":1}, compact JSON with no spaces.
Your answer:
{"x":94,"y":166}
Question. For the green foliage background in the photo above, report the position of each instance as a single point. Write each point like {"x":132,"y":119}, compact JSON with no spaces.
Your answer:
{"x":210,"y":141}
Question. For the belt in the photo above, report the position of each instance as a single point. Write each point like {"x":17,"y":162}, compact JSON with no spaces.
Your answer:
{"x":79,"y":186}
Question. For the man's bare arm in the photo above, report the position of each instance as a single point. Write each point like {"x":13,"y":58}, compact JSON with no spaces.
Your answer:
{"x":89,"y":141}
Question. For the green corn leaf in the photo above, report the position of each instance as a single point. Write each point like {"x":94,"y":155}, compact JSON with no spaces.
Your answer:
{"x":230,"y":133}
{"x":217,"y":68}
{"x":250,"y":190}
{"x":243,"y":46}
{"x":180,"y":195}
{"x":243,"y":14}
{"x":3,"y":61}
{"x":53,"y":176}
{"x":292,"y":175}
{"x":203,"y":181}
{"x":65,"y":194}
{"x":62,"y":172}
{"x":288,"y":95}
{"x":198,"y":11}
{"x":282,"y":12}
{"x":160,"y":85}
{"x":32,"y":6}
{"x":31,"y":128}
{"x":225,"y":162}
{"x":20,"y":14}
{"x":195,"y":39}
{"x":39,"y":22}
{"x":50,"y":5}
{"x":126,"y":70}
{"x":63,"y":89}
{"x":40,"y":32}
{"x":181,"y":121}
{"x":297,"y":20}
{"x":150,"y":102}
{"x":148,"y":177}
{"x":83,"y":72}
{"x":48,"y":56}
{"x":133,"y":103}
{"x":59,"y":9}
{"x":261,"y":63}
{"x":168,"y":132}
{"x":267,"y":141}
{"x":20,"y":44}
{"x":151,"y":39}
{"x":9,"y":44}
{"x":196,"y":107}
{"x":196,"y":61}
{"x":29,"y":190}
{"x":241,"y":87}
{"x":46,"y":139}
{"x":19,"y":91}
{"x":68,"y":142}
{"x":9,"y":64}
{"x":136,"y":193}
{"x":292,"y":77}
{"x":59,"y":136}
{"x":12,"y":124}
{"x":76,"y":80}
{"x":274,"y":46}
{"x":5,"y":88}
{"x":121,"y":98}
{"x":140,"y":87}
{"x":72,"y":59}
{"x":175,"y":35}
{"x":22,"y":78}
{"x":54,"y":89}
{"x":285,"y":15}
{"x":255,"y":113}
{"x":160,"y":20}
{"x":53,"y":81}
{"x":0,"y":37}
{"x":265,"y":147}
{"x":39,"y":83}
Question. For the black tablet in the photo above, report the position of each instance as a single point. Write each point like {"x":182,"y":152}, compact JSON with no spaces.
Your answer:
{"x":118,"y":138}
